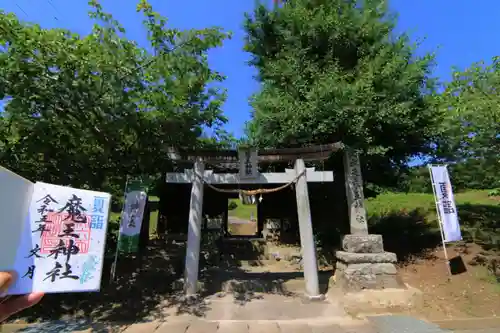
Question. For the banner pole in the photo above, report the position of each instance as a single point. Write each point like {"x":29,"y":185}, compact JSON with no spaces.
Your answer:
{"x":438,"y":213}
{"x":113,"y":266}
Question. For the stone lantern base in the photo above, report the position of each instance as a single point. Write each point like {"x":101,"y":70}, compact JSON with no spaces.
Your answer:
{"x":363,"y":264}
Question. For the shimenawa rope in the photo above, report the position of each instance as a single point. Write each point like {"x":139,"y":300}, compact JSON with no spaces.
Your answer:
{"x":252,"y":192}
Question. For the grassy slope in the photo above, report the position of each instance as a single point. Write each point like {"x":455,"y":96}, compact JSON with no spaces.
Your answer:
{"x":478,"y":213}
{"x":391,"y":202}
{"x":242,"y":211}
{"x":476,"y":210}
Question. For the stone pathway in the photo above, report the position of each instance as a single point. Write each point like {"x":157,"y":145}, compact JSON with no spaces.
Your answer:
{"x":255,"y":306}
{"x":376,"y":324}
{"x":403,"y":324}
{"x":199,"y":326}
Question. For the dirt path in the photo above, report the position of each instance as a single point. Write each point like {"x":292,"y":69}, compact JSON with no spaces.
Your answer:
{"x":241,"y":227}
{"x":474,"y":293}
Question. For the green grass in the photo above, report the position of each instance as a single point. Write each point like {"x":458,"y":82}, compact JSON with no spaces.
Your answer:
{"x":479,"y":214}
{"x":153,"y":214}
{"x":387,"y":203}
{"x":408,"y":221}
{"x":242,"y":211}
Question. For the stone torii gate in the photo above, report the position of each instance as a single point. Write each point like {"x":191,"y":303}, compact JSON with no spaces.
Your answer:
{"x":248,"y":174}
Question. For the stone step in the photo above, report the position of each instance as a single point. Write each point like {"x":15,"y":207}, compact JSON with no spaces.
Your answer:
{"x":243,"y":249}
{"x":362,"y":258}
{"x":270,"y":263}
{"x":291,"y":282}
{"x":266,"y":306}
{"x":262,"y":286}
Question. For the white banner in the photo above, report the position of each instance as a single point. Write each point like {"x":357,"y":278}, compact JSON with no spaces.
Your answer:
{"x":445,"y":201}
{"x":131,"y":221}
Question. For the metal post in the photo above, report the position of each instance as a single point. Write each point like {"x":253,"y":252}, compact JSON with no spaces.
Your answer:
{"x":440,"y":222}
{"x":115,"y":262}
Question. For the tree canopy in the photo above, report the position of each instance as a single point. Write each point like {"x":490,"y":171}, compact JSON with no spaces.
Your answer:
{"x":83,"y":110}
{"x":470,"y":131}
{"x":471,"y":103}
{"x":337,"y":71}
{"x":89,"y":110}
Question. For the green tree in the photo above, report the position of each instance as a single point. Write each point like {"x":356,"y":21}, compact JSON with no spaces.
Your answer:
{"x":88,"y":110}
{"x":470,"y":141}
{"x":471,"y":104}
{"x":336,"y":71}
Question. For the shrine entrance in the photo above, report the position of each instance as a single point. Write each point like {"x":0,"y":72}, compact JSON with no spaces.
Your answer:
{"x":242,"y":217}
{"x":200,"y":190}
{"x":249,"y":184}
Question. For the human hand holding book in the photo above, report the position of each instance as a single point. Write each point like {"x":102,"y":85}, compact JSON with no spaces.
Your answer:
{"x":52,"y":237}
{"x":12,"y":305}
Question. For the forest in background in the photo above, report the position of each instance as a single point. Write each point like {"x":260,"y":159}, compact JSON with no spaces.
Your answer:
{"x":89,"y":111}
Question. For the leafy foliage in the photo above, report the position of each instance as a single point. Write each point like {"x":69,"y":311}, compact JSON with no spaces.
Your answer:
{"x":470,"y":174}
{"x":336,"y":71}
{"x":89,"y":110}
{"x":469,"y":141}
{"x":471,"y":129}
{"x":494,"y":193}
{"x":472,"y":126}
{"x":232,"y":205}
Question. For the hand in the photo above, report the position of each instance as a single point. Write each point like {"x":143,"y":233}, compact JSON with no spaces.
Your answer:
{"x":8,"y":306}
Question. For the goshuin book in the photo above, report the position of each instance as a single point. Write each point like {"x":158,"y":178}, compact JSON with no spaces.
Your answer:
{"x":52,"y":236}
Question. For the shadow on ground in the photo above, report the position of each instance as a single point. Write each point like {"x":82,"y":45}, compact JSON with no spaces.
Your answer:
{"x":142,"y":283}
{"x":246,"y":286}
{"x":68,"y":327}
{"x":411,"y":236}
{"x":243,"y":268}
{"x":406,"y":233}
{"x":146,"y":285}
{"x":149,"y":287}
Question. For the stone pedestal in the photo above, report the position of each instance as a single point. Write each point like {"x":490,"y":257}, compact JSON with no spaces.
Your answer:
{"x":363,"y":264}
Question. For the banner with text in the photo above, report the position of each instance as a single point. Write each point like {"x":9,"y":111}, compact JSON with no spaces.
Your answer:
{"x":447,"y":209}
{"x":131,"y":218}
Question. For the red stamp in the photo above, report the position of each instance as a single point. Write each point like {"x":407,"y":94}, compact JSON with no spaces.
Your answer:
{"x":56,"y":229}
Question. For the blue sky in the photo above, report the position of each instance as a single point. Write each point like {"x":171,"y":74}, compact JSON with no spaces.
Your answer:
{"x":460,"y":31}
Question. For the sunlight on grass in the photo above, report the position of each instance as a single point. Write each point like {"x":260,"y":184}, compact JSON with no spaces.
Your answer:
{"x":387,"y":203}
{"x":242,"y":211}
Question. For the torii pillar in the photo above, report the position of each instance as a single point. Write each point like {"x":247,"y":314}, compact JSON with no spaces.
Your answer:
{"x":307,"y":243}
{"x":194,"y":230}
